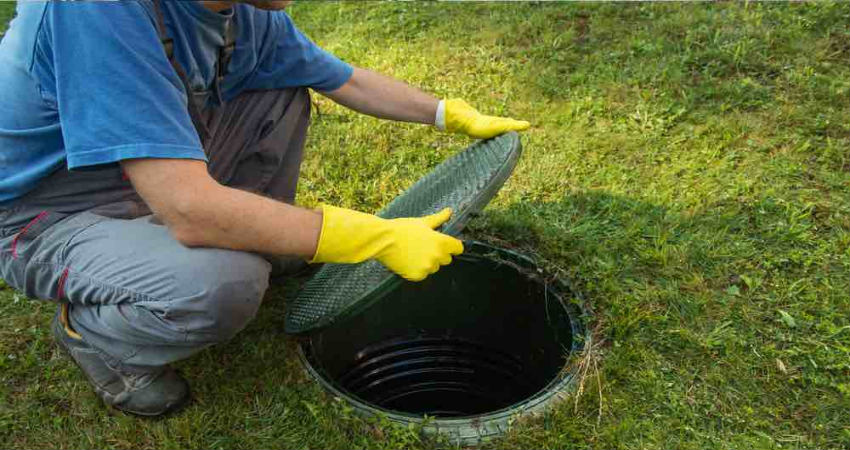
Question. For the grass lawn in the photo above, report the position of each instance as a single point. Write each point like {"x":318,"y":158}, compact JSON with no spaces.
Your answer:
{"x":688,"y":169}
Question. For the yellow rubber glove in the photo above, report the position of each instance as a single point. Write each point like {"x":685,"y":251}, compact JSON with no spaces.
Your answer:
{"x":409,"y":247}
{"x":462,"y":118}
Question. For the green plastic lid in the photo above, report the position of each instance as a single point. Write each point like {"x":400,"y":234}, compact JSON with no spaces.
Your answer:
{"x":465,"y":182}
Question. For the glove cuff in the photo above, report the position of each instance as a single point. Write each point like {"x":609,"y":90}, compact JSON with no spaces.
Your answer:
{"x":350,"y":236}
{"x":324,"y":208}
{"x":440,"y":119}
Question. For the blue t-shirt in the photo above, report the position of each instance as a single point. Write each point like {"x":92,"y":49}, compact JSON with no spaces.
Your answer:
{"x":89,"y":83}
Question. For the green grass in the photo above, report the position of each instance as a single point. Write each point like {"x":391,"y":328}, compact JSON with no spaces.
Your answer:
{"x":7,"y":10}
{"x":688,"y":169}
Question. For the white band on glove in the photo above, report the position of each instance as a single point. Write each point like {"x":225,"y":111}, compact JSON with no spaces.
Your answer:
{"x":440,"y":120}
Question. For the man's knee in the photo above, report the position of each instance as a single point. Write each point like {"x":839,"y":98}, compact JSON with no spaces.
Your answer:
{"x":226,"y":296}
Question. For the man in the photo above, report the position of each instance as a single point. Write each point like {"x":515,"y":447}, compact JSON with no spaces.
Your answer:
{"x":149,"y":153}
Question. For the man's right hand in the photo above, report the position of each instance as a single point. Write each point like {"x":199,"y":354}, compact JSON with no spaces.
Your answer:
{"x":409,"y":246}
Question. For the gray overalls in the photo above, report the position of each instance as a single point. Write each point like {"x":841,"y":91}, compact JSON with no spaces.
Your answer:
{"x":136,"y":294}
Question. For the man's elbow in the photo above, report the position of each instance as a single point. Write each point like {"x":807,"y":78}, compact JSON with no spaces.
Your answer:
{"x":186,"y":222}
{"x":188,"y":236}
{"x":181,"y":194}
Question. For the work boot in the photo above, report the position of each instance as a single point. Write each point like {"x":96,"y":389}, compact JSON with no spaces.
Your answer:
{"x":145,"y":391}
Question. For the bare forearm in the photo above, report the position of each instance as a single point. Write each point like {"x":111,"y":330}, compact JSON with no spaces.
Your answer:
{"x":239,"y":220}
{"x":199,"y":212}
{"x":386,"y":98}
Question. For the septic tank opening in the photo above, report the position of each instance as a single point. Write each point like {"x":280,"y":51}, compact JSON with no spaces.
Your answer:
{"x":486,"y":335}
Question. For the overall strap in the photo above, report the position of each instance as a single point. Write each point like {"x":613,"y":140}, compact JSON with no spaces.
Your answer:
{"x":193,"y":98}
{"x":225,"y":53}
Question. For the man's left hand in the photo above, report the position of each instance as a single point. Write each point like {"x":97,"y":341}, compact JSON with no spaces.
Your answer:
{"x":462,"y":118}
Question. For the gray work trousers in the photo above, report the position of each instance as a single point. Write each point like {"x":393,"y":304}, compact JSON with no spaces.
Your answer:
{"x":136,"y":294}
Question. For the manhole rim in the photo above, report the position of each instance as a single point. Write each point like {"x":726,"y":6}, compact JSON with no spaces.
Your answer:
{"x":470,"y":430}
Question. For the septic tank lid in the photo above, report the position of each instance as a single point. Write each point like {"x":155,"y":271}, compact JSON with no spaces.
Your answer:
{"x":465,"y":182}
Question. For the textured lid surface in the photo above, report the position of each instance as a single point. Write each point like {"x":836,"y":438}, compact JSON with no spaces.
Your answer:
{"x":465,"y":182}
